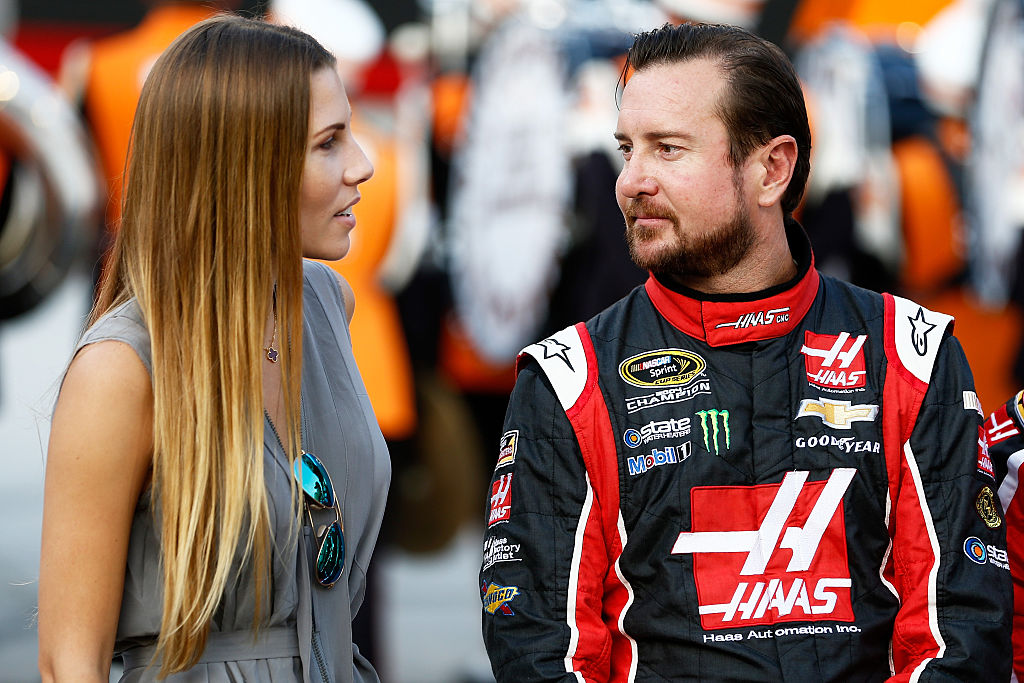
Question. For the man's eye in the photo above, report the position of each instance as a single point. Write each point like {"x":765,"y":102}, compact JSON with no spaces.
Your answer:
{"x":625,"y":149}
{"x":669,"y":149}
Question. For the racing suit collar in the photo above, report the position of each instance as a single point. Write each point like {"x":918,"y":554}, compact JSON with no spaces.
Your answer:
{"x":722,"y":319}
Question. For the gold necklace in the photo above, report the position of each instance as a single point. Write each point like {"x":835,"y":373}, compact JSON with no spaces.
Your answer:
{"x":272,"y":353}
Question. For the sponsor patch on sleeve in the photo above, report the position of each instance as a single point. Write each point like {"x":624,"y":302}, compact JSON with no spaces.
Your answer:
{"x":985,"y":504}
{"x":500,"y":549}
{"x":984,"y":461}
{"x":507,"y":448}
{"x":975,"y":550}
{"x":496,"y":598}
{"x":971,"y":402}
{"x":980,"y":553}
{"x":501,"y":500}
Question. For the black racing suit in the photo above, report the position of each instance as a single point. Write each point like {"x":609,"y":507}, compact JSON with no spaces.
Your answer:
{"x":768,"y":487}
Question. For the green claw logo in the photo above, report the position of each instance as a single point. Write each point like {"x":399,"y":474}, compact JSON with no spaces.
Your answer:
{"x":714,"y":415}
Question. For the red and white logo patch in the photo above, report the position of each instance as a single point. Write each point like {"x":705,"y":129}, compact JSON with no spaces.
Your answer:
{"x":834,"y":361}
{"x":984,"y":461}
{"x":501,"y":500}
{"x":1000,"y":426}
{"x":770,"y":553}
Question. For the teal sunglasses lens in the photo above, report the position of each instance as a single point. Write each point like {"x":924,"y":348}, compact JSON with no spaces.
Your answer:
{"x":330,"y":561}
{"x":315,"y":481}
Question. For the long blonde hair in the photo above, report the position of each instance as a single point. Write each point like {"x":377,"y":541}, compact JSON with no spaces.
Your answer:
{"x":210,"y":224}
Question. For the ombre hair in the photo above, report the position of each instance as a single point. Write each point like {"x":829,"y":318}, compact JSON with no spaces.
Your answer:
{"x":210,"y":226}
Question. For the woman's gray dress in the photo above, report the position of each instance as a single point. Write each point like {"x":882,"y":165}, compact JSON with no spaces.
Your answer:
{"x":309,"y":636}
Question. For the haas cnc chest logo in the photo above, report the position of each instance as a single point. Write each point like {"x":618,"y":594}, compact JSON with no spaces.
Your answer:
{"x":770,"y":553}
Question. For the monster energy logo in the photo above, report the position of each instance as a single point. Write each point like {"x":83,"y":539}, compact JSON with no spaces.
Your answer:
{"x":714,"y":415}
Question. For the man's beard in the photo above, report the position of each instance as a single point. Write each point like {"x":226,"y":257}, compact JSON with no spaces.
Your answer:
{"x":706,"y":255}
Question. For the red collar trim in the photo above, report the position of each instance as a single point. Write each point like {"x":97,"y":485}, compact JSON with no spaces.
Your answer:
{"x":720,"y":323}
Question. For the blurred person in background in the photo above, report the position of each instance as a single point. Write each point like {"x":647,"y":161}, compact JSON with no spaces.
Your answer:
{"x":745,"y":470}
{"x":106,"y":77}
{"x":215,"y":476}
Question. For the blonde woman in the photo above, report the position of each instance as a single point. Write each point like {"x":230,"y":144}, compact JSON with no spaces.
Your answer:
{"x":215,"y":477}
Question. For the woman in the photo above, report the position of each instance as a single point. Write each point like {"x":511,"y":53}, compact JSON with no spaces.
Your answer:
{"x":176,"y":531}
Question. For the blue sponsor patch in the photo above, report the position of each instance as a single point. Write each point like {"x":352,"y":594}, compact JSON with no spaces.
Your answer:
{"x":975,"y":550}
{"x":659,"y":456}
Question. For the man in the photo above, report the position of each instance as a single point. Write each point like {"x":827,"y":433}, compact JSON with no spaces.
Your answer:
{"x":744,"y":470}
{"x":1004,"y":433}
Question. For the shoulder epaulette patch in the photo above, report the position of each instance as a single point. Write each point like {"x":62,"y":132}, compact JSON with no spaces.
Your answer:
{"x":564,"y":360}
{"x":918,"y":333}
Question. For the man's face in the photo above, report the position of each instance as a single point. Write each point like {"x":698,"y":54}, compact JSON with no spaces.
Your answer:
{"x":683,"y":200}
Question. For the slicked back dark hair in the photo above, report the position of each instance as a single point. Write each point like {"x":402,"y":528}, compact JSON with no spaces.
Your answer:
{"x":763,"y":98}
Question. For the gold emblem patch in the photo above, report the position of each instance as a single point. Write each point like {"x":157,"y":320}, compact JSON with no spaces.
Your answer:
{"x":987,"y":510}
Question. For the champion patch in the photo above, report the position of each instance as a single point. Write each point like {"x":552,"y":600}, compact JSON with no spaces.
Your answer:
{"x":507,"y":448}
{"x":985,"y":504}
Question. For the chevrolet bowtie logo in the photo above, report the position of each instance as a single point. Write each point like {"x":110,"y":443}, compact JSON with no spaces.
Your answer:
{"x":837,"y":414}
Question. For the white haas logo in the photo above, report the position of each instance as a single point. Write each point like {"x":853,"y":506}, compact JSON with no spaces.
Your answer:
{"x":751,"y":606}
{"x":779,"y":315}
{"x":500,"y":507}
{"x":825,"y":372}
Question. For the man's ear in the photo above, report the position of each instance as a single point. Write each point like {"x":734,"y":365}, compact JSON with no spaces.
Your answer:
{"x":778,"y":160}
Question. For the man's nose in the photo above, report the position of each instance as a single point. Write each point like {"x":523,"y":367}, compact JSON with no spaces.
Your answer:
{"x":635,"y":180}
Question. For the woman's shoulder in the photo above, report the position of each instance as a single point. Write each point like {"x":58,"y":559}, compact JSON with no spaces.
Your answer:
{"x":106,"y":391}
{"x":124,"y":324}
{"x":329,"y":284}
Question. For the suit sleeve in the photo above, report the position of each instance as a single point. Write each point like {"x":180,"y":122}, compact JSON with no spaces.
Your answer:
{"x":1004,"y":430}
{"x":543,"y":556}
{"x":949,"y":540}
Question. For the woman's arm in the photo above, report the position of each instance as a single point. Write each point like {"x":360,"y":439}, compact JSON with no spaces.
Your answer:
{"x":98,"y":462}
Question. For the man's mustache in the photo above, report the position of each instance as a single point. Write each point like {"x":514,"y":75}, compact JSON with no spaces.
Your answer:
{"x":645,"y":207}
